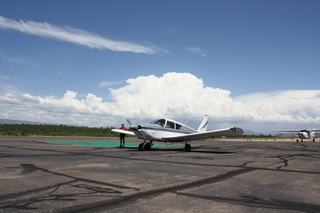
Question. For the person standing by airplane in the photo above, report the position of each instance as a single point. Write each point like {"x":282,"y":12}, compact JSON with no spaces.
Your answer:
{"x":122,"y":136}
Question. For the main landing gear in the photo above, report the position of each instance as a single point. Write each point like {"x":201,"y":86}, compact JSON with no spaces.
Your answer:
{"x":187,"y":147}
{"x":313,"y":140}
{"x":145,"y":146}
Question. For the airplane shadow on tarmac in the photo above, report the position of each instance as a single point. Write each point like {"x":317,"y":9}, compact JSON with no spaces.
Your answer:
{"x":174,"y":149}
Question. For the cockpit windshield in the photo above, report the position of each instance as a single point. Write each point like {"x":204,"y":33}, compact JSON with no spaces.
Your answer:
{"x":160,"y":122}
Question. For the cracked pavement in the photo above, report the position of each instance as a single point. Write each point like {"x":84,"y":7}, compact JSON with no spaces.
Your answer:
{"x":216,"y":176}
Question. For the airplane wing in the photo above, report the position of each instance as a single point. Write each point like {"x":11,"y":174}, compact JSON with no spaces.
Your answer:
{"x":314,"y":130}
{"x":204,"y":135}
{"x":122,"y":131}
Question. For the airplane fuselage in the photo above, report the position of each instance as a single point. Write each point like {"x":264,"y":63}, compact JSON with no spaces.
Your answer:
{"x":306,"y":134}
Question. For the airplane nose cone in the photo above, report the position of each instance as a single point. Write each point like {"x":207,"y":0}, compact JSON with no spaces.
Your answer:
{"x":135,"y":127}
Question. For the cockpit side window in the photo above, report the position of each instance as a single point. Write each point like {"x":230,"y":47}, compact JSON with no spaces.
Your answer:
{"x":170,"y":125}
{"x":178,"y":126}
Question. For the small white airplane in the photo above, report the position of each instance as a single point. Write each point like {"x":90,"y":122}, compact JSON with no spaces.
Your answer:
{"x":302,"y":134}
{"x":167,"y":130}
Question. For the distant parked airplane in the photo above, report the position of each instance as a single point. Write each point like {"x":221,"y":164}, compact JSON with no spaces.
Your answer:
{"x":303,"y":134}
{"x":167,"y":130}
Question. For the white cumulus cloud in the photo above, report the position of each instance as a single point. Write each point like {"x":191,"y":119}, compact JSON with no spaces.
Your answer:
{"x":179,"y":96}
{"x":77,"y":36}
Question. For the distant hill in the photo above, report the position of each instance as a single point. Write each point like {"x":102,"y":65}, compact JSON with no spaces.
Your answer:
{"x":9,"y":121}
{"x":249,"y":132}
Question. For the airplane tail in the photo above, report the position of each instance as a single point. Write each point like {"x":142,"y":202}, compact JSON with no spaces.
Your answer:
{"x":204,"y":124}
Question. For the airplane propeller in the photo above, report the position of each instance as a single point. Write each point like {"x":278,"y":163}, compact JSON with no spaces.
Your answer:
{"x":132,"y":126}
{"x":135,"y":127}
{"x":129,"y":121}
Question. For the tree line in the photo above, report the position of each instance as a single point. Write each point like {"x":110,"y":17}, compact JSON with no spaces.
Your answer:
{"x":78,"y":131}
{"x":54,"y":130}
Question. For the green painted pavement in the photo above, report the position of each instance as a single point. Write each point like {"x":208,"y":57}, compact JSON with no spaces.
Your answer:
{"x":106,"y":143}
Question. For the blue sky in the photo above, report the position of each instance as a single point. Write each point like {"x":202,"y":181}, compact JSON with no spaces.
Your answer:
{"x":253,"y":64}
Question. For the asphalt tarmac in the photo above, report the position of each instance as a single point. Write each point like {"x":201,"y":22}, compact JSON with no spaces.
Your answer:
{"x":216,"y":176}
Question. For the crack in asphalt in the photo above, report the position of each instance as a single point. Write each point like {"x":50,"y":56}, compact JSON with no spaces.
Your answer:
{"x":253,"y":201}
{"x":114,"y":191}
{"x":29,"y":203}
{"x":188,"y":163}
{"x":285,"y":162}
{"x":36,"y":190}
{"x":36,"y":196}
{"x":29,"y":167}
{"x":114,"y":202}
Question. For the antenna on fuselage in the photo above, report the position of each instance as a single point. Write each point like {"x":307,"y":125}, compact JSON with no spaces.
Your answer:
{"x":184,"y":122}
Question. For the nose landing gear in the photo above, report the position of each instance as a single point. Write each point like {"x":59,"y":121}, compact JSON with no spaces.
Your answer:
{"x":145,"y":146}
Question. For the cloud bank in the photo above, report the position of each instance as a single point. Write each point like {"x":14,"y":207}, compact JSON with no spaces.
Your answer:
{"x":174,"y":95}
{"x":77,"y":36}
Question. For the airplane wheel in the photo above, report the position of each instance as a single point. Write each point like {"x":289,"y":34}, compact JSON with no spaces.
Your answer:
{"x":187,"y":147}
{"x":147,"y":146}
{"x":141,"y":147}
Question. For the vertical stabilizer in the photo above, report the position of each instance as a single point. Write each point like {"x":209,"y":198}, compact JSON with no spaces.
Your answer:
{"x":204,"y":124}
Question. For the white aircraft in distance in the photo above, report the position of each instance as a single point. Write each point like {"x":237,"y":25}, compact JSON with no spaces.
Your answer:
{"x":302,"y":134}
{"x":167,"y":130}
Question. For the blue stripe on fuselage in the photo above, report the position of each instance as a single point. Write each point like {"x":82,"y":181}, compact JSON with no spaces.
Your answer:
{"x":167,"y":130}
